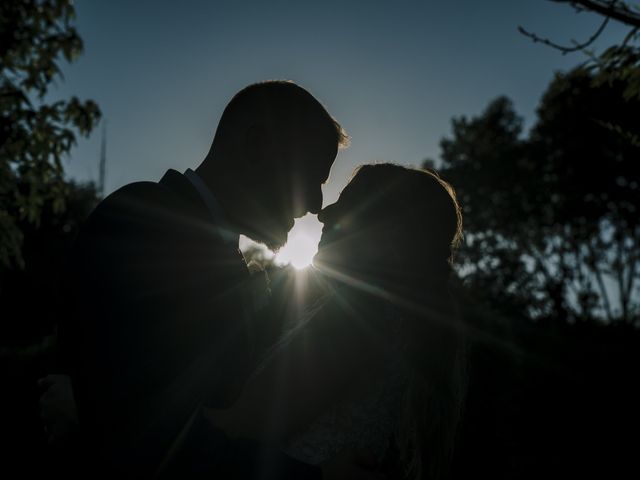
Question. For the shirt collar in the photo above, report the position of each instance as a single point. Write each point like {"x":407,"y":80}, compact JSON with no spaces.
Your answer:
{"x":215,"y":209}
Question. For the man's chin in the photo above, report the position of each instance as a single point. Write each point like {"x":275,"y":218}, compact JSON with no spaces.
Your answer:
{"x":275,"y":246}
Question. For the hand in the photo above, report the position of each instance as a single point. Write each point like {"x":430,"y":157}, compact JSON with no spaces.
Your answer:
{"x":58,"y":409}
{"x":352,"y":465}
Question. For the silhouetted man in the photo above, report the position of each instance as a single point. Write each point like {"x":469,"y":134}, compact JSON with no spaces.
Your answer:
{"x":159,"y":319}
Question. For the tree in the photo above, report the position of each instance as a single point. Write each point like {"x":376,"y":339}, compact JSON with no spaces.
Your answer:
{"x":30,"y":296}
{"x":551,"y":235}
{"x":616,"y":10}
{"x":619,"y":62}
{"x":35,"y":35}
{"x":551,"y":216}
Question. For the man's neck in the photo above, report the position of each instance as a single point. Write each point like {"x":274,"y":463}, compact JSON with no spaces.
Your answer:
{"x":227,"y":190}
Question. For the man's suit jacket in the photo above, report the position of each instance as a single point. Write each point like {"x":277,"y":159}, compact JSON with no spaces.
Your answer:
{"x":156,"y":324}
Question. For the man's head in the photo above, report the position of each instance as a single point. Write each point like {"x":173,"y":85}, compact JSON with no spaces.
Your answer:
{"x":272,"y":151}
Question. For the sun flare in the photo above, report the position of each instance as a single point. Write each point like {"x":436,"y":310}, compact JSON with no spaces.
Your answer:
{"x":301,"y":246}
{"x":298,"y":251}
{"x":302,"y":243}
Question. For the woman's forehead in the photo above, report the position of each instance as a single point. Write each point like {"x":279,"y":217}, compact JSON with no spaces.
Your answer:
{"x":355,"y":185}
{"x":357,"y":197}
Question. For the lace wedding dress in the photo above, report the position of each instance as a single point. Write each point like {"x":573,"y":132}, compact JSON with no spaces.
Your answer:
{"x":362,"y":422}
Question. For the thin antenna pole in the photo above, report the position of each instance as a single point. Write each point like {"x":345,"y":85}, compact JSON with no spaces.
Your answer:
{"x":103,"y":159}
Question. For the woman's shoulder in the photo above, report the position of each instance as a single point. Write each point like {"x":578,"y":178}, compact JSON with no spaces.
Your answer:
{"x":353,"y":321}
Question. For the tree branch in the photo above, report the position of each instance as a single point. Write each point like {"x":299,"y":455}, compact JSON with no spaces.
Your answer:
{"x":619,"y":266}
{"x":629,"y":36}
{"x":564,"y":49}
{"x":631,"y":272}
{"x":615,"y":10}
{"x":631,"y":280}
{"x":599,"y":280}
{"x":548,"y":281}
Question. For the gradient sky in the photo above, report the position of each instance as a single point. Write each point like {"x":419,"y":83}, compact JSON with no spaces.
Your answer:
{"x":393,"y":73}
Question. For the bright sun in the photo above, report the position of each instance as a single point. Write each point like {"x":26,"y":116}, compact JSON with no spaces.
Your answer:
{"x":301,"y":246}
{"x":298,"y":251}
{"x":302,"y":243}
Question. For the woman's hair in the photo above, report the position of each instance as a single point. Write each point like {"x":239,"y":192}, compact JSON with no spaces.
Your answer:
{"x":426,"y":229}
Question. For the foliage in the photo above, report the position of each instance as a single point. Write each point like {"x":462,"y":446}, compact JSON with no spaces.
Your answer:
{"x":35,"y":35}
{"x":30,"y":296}
{"x":619,"y":62}
{"x":551,"y":217}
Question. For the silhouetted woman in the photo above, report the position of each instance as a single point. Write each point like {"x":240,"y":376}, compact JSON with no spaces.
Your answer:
{"x":374,"y":370}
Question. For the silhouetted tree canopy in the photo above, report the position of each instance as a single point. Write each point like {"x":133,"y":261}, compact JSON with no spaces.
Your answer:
{"x":551,"y":216}
{"x":618,"y":63}
{"x":35,"y":134}
{"x":30,"y":296}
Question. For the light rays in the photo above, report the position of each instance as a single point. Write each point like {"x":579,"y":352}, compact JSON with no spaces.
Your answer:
{"x":302,"y":243}
{"x":299,"y":251}
{"x":472,"y":333}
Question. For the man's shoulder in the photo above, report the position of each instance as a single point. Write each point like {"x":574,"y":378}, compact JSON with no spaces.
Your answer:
{"x":144,"y":215}
{"x":137,"y":195}
{"x":140,"y":205}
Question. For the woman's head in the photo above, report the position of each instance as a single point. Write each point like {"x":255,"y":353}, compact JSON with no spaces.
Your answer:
{"x":391,"y":220}
{"x":397,"y":228}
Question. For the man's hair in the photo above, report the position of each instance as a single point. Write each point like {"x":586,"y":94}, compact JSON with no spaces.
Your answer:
{"x":290,"y":110}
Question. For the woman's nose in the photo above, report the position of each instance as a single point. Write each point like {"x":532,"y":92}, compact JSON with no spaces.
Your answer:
{"x":325,"y":214}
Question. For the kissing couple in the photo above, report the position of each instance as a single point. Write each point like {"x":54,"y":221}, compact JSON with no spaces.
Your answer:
{"x":169,"y":371}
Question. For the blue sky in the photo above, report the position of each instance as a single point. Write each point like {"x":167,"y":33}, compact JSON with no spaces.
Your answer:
{"x":393,"y":73}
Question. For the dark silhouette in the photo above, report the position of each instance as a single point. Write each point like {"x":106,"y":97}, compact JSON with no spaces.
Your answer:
{"x":26,"y":321}
{"x":553,"y":350}
{"x":375,"y":363}
{"x":550,"y":274}
{"x":158,"y":318}
{"x":29,"y":297}
{"x":552,"y":216}
{"x":370,"y":237}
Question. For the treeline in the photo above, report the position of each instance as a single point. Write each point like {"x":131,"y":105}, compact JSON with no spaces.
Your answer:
{"x":550,"y":273}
